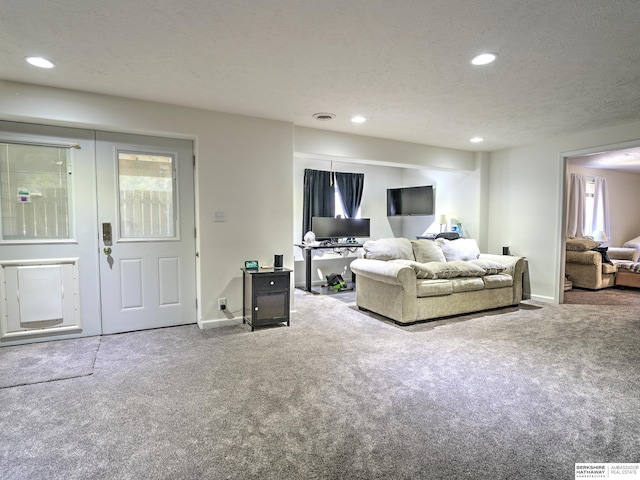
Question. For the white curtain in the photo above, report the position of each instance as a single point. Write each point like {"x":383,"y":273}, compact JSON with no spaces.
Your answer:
{"x":576,"y":205}
{"x":600,"y":218}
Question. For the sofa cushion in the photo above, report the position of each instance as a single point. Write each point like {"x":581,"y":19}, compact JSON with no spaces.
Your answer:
{"x":467,"y":284}
{"x":498,"y":281}
{"x":433,"y":288}
{"x":427,"y":251}
{"x":460,"y":249}
{"x":489,"y":266}
{"x":388,"y":249}
{"x":606,"y":268}
{"x":433,"y":270}
{"x":581,"y":244}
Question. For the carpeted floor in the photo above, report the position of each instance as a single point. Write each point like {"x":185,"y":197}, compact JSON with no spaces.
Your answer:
{"x":47,"y":362}
{"x":606,"y":296}
{"x":513,"y":394}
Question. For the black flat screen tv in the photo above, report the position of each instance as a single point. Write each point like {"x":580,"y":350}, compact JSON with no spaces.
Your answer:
{"x":410,"y":201}
{"x":326,"y":228}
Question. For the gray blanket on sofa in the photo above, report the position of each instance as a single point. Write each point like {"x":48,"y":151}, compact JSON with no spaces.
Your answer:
{"x":634,"y":267}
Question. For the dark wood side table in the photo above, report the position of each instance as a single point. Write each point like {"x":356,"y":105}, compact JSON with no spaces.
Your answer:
{"x":265,"y":296}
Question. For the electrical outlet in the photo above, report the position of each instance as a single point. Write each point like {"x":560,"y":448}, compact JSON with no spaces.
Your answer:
{"x":222,"y":303}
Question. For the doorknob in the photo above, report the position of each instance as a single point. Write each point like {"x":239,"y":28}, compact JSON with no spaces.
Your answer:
{"x":107,"y":252}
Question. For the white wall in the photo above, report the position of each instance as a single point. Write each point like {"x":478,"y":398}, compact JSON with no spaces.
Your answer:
{"x":314,"y":143}
{"x":526,"y":202}
{"x":624,"y":198}
{"x":455,"y":174}
{"x":387,"y":164}
{"x":244,"y":169}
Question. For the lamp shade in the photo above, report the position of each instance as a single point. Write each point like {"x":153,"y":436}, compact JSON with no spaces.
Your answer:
{"x":443,"y":219}
{"x":600,"y":236}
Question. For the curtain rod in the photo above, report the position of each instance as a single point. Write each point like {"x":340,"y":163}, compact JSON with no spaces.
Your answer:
{"x":40,"y":144}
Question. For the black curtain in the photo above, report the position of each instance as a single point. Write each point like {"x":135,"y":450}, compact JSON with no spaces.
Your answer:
{"x":350,"y":186}
{"x":319,"y":197}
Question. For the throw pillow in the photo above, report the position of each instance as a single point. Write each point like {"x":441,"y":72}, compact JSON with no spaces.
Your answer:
{"x":420,"y":268}
{"x":442,"y":270}
{"x":427,"y":251}
{"x":605,"y":255}
{"x":581,"y":244}
{"x":388,"y":249}
{"x":460,"y":249}
{"x":489,"y":266}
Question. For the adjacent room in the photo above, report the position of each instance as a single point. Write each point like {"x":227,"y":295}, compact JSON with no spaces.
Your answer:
{"x":319,"y":240}
{"x":605,"y":274}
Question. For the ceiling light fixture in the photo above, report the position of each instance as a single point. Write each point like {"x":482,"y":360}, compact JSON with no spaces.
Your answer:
{"x":324,"y":117}
{"x":39,"y":62}
{"x":476,"y":140}
{"x":483,"y":59}
{"x":358,"y":119}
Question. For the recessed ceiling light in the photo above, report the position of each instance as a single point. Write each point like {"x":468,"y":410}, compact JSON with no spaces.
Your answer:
{"x":39,"y":62}
{"x":483,"y":59}
{"x":324,"y":117}
{"x":476,"y":140}
{"x":358,"y":119}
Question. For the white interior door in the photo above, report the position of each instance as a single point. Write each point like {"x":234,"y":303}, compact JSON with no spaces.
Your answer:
{"x":147,"y":233}
{"x":49,"y":284}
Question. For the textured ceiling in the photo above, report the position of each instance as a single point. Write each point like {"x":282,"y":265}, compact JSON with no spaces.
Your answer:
{"x":563,"y":65}
{"x":623,"y":160}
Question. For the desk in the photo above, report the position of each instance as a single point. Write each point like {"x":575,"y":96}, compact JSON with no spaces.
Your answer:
{"x":307,"y":257}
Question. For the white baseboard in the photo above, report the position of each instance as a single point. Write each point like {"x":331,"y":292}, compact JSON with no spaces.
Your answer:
{"x":542,"y":299}
{"x":219,"y":322}
{"x":225,"y":322}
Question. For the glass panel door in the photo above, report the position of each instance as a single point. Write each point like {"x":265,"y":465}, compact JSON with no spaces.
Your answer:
{"x":146,"y":207}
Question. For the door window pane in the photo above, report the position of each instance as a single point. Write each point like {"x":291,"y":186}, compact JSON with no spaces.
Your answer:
{"x":146,"y":195}
{"x":34,"y":192}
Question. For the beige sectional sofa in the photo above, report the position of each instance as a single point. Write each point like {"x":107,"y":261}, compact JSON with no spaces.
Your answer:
{"x":413,"y":280}
{"x":588,"y":268}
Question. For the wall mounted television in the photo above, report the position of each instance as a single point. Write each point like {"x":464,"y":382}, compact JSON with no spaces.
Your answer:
{"x":326,"y":228}
{"x":410,"y":201}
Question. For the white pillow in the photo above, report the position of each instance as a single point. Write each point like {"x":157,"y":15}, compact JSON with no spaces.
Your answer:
{"x":427,"y":251}
{"x":388,"y":249}
{"x":460,"y":249}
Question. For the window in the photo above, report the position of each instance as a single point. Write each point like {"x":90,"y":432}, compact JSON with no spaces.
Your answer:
{"x":146,"y":195}
{"x":34,"y":192}
{"x":340,"y":207}
{"x":589,"y":195}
